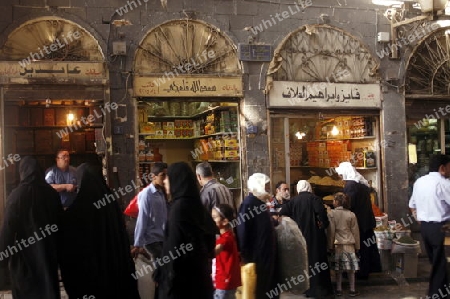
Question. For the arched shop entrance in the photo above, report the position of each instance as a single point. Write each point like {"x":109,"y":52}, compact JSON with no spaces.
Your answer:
{"x":324,"y":106}
{"x":427,"y":98}
{"x":188,"y":88}
{"x":54,"y":93}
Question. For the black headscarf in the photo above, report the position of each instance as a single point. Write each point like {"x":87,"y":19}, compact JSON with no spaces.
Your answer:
{"x":189,"y":274}
{"x":96,"y":256}
{"x":33,"y":210}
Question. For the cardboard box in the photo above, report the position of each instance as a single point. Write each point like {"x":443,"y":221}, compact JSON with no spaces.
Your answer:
{"x":49,"y":117}
{"x":78,"y":142}
{"x":232,"y":154}
{"x":43,"y":141}
{"x":60,"y":117}
{"x":231,"y":143}
{"x":168,"y":125}
{"x":160,"y":134}
{"x":178,"y":124}
{"x":146,"y":128}
{"x":25,"y":141}
{"x":24,"y":116}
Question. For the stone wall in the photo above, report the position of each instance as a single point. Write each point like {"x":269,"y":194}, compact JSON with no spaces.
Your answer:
{"x":234,"y":18}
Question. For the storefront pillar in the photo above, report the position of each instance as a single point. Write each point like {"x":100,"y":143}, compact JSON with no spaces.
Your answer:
{"x":394,"y":155}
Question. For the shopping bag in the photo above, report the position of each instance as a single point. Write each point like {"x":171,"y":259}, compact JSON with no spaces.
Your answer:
{"x":144,"y":270}
{"x":248,"y":277}
{"x":292,"y":254}
{"x":132,"y":209}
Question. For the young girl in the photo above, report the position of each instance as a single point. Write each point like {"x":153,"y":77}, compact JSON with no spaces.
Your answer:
{"x":343,"y":239}
{"x":228,"y":270}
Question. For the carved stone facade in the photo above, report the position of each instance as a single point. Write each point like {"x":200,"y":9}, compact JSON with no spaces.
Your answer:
{"x":313,"y":43}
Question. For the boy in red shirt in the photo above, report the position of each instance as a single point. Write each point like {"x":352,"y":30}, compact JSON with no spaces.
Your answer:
{"x":228,"y":270}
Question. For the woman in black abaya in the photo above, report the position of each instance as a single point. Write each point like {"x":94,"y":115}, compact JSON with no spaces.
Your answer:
{"x":256,"y":236}
{"x":309,"y":212}
{"x":187,"y":274}
{"x":30,"y":208}
{"x":357,"y":189}
{"x":95,"y":252}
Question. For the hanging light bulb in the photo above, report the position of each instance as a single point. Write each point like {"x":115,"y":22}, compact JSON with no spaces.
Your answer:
{"x":70,"y":118}
{"x":334,"y":131}
{"x":300,"y":135}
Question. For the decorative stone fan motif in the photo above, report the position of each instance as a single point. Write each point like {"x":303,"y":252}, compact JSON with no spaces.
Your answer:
{"x":72,"y":42}
{"x":322,"y":53}
{"x":428,"y":69}
{"x":189,"y":47}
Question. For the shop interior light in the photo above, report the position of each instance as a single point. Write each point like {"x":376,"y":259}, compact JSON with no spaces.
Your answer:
{"x":70,"y":118}
{"x":300,"y":135}
{"x":334,"y":131}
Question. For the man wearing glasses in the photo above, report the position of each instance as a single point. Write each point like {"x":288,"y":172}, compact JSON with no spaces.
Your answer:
{"x":62,"y":177}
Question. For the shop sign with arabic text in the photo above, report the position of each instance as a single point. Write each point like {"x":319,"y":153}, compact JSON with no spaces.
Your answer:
{"x":12,"y":69}
{"x":324,"y":94}
{"x":187,"y":87}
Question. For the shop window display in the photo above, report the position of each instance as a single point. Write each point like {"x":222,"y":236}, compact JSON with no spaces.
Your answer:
{"x":192,"y":131}
{"x":309,"y":148}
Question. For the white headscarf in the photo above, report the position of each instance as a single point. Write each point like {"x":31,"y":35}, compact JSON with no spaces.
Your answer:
{"x":303,"y":185}
{"x":257,"y":184}
{"x":349,"y":173}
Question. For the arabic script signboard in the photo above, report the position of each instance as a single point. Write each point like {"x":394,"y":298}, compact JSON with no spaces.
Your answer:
{"x":187,"y":87}
{"x":324,"y":94}
{"x":12,"y":69}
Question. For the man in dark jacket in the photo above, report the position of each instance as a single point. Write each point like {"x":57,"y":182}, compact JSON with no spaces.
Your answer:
{"x":212,"y":193}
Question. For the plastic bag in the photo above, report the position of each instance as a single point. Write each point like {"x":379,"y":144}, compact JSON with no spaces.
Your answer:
{"x":292,"y":254}
{"x":144,"y":270}
{"x":132,"y":209}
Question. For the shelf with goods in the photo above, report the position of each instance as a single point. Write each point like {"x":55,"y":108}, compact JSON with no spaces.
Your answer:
{"x":208,"y":132}
{"x":38,"y":130}
{"x":306,"y":148}
{"x":424,"y":140}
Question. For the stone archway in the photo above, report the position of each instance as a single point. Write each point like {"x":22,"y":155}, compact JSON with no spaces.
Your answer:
{"x":315,"y":53}
{"x":428,"y":68}
{"x":72,"y":42}
{"x":178,"y":42}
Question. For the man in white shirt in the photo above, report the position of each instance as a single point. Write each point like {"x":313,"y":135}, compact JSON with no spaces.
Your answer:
{"x":430,"y":203}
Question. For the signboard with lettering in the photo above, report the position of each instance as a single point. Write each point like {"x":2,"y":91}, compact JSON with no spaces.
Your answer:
{"x":249,"y":52}
{"x":40,"y":69}
{"x":187,"y":87}
{"x":324,"y":94}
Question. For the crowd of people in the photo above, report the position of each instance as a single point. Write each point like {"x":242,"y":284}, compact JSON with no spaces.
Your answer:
{"x":197,"y":242}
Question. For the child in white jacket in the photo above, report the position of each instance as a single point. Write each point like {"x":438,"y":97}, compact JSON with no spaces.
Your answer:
{"x":343,"y":239}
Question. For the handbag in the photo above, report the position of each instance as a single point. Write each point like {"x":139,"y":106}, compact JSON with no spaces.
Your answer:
{"x":132,"y":209}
